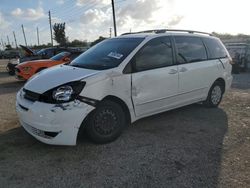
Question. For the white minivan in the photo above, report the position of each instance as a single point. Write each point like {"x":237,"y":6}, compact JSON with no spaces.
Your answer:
{"x":121,"y":80}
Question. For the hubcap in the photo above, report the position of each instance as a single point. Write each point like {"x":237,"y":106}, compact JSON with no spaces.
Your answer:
{"x":105,"y":122}
{"x":216,"y":95}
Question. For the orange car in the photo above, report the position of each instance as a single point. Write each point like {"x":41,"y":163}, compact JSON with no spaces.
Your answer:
{"x":27,"y":69}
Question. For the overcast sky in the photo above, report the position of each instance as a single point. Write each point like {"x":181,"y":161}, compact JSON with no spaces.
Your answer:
{"x":89,"y":19}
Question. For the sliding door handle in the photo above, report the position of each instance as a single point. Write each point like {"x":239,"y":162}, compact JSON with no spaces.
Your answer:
{"x":183,"y":69}
{"x":172,"y":71}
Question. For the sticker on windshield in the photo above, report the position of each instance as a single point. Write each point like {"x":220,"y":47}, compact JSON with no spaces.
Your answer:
{"x":115,"y":55}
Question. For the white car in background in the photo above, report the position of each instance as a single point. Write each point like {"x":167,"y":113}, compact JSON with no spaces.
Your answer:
{"x":121,"y":80}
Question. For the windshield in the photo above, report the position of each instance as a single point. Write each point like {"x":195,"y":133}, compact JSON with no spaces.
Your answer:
{"x":41,"y":52}
{"x":60,"y":56}
{"x":107,"y":54}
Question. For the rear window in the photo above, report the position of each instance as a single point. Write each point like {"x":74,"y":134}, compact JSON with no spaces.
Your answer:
{"x":215,"y":48}
{"x":190,"y":49}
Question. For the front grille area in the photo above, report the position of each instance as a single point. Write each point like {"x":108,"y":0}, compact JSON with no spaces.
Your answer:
{"x":38,"y":132}
{"x":24,"y":108}
{"x":30,"y":95}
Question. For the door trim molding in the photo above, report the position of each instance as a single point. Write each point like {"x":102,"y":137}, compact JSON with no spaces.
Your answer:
{"x":171,"y":96}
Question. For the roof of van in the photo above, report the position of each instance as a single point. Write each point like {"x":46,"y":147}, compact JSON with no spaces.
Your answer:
{"x":165,"y":32}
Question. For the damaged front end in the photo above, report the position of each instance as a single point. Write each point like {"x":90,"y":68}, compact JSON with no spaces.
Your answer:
{"x":52,"y":123}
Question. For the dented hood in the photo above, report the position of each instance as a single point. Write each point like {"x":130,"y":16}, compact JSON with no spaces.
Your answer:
{"x":56,"y":76}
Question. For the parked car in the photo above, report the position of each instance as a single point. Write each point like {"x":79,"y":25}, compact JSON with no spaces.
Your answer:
{"x":30,"y":55}
{"x":121,"y":80}
{"x":10,"y":54}
{"x":27,"y":69}
{"x":240,"y":52}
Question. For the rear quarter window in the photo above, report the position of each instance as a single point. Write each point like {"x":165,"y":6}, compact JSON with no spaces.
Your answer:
{"x":215,"y":48}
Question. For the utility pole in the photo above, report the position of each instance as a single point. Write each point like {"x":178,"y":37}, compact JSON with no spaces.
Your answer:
{"x":110,"y":32}
{"x":50,"y":28}
{"x":2,"y":43}
{"x":24,"y":36}
{"x":15,"y":39}
{"x":8,"y":40}
{"x":37,"y":32}
{"x":113,"y":9}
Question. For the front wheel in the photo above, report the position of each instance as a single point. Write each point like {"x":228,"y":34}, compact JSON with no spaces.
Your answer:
{"x":106,"y":122}
{"x":215,"y":95}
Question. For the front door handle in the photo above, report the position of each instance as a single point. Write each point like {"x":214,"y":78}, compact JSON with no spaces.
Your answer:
{"x":172,"y":71}
{"x":183,"y":69}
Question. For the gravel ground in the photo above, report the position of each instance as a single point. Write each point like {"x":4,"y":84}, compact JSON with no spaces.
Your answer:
{"x":188,"y":147}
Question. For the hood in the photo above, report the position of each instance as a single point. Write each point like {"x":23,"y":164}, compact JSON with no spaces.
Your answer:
{"x":55,"y":76}
{"x":36,"y":61}
{"x":23,"y":64}
{"x":29,"y":58}
{"x":28,"y":63}
{"x":27,"y":50}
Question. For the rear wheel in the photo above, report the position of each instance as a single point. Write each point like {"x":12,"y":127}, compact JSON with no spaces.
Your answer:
{"x":215,"y":95}
{"x":106,"y":122}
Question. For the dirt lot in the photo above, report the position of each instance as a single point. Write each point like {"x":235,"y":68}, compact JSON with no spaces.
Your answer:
{"x":188,"y":147}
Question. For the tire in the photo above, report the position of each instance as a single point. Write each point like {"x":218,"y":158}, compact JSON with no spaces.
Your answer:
{"x":106,"y":122}
{"x":215,"y":95}
{"x":11,"y":72}
{"x":11,"y":69}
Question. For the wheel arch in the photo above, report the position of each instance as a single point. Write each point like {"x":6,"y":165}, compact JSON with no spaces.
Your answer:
{"x":222,"y":82}
{"x":110,"y":98}
{"x":122,"y":104}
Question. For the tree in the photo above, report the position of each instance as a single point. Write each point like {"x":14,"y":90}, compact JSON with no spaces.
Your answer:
{"x":98,"y":40}
{"x":8,"y":47}
{"x":59,"y":33}
{"x":78,"y":43}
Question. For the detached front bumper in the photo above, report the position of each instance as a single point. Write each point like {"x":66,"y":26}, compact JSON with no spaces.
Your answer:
{"x":11,"y":68}
{"x":56,"y":124}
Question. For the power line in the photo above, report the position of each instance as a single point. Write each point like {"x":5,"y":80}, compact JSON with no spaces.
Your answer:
{"x":77,"y":11}
{"x":73,"y":9}
{"x":63,"y":7}
{"x":73,"y":14}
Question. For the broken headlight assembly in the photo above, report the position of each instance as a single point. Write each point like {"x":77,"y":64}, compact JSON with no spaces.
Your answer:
{"x":63,"y":93}
{"x":26,"y":69}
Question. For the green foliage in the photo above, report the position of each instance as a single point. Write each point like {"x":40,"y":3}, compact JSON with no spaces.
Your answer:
{"x":98,"y":40}
{"x":59,"y":33}
{"x":78,"y":43}
{"x":42,"y":46}
{"x":225,"y":36}
{"x":8,"y":47}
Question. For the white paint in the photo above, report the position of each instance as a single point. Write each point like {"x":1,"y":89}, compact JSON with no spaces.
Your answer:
{"x":145,"y":93}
